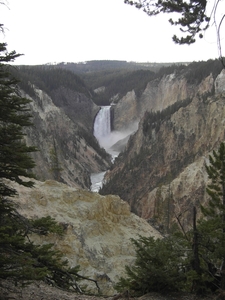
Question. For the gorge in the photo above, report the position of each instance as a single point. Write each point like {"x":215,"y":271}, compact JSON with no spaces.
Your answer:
{"x":161,"y":173}
{"x":163,"y":132}
{"x":164,"y":120}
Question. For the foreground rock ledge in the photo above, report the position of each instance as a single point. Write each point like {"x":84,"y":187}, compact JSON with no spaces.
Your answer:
{"x":41,"y":291}
{"x":98,"y":229}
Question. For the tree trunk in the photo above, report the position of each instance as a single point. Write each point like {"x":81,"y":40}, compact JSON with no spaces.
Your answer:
{"x":196,"y":260}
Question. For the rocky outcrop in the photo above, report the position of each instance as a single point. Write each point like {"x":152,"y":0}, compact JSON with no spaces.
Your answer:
{"x":67,"y":151}
{"x":161,"y":173}
{"x":158,"y":95}
{"x":220,"y":83}
{"x":98,"y":228}
{"x":125,"y":112}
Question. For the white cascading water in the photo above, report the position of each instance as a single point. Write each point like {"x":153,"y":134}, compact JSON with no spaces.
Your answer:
{"x":102,"y":127}
{"x":106,"y":139}
{"x":102,"y":130}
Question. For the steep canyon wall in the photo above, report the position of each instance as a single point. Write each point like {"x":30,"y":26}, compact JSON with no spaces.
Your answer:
{"x":162,"y":173}
{"x":67,"y":150}
{"x":158,"y":95}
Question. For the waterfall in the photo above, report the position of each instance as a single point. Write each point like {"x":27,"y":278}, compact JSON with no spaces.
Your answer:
{"x":102,"y":127}
{"x":106,"y":139}
{"x":102,"y":130}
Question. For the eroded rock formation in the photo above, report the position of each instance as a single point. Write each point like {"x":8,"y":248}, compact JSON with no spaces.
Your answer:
{"x":98,"y":228}
{"x":161,"y":173}
{"x":67,"y":151}
{"x":158,"y":95}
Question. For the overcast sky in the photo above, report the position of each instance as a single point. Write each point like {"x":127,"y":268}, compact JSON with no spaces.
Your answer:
{"x":80,"y":30}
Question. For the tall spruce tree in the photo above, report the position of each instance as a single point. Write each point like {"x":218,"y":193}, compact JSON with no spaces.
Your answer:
{"x":14,"y":163}
{"x":14,"y":116}
{"x":212,"y":228}
{"x":21,"y":259}
{"x":18,"y":258}
{"x":159,"y":267}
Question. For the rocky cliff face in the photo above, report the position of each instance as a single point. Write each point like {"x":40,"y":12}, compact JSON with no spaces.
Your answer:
{"x":128,"y":104}
{"x":67,"y":150}
{"x":161,"y":173}
{"x":158,"y":95}
{"x":77,"y":106}
{"x":98,"y":229}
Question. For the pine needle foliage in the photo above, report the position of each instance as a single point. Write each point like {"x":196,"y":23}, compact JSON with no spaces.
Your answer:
{"x":20,"y":259}
{"x":212,"y":227}
{"x":192,"y":261}
{"x":158,"y":267}
{"x":192,"y":18}
{"x":15,"y":160}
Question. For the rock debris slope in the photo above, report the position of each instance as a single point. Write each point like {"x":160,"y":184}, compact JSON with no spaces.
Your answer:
{"x":98,"y":228}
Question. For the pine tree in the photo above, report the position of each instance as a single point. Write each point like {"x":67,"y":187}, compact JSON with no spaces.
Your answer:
{"x":189,"y":261}
{"x":17,"y":259}
{"x":159,"y":267}
{"x":192,"y":20}
{"x":55,"y":163}
{"x":213,"y":226}
{"x":14,"y":163}
{"x":14,"y":116}
{"x":216,"y":189}
{"x":20,"y":259}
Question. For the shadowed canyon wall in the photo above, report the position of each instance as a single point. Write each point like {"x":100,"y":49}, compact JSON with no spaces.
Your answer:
{"x":67,"y":151}
{"x":161,"y":173}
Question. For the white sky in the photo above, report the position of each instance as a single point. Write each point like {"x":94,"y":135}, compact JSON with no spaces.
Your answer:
{"x":81,"y":30}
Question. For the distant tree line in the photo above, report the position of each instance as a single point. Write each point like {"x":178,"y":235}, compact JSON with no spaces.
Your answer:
{"x":120,"y":85}
{"x":119,"y":82}
{"x":100,"y":66}
{"x":196,"y":72}
{"x":48,"y":78}
{"x":113,"y":75}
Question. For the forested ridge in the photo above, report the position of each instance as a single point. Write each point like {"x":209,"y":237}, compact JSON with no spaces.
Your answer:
{"x":48,"y":78}
{"x":117,"y":77}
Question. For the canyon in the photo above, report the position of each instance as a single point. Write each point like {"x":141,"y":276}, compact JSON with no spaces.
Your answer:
{"x":164,"y":131}
{"x":161,"y":173}
{"x":66,"y":148}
